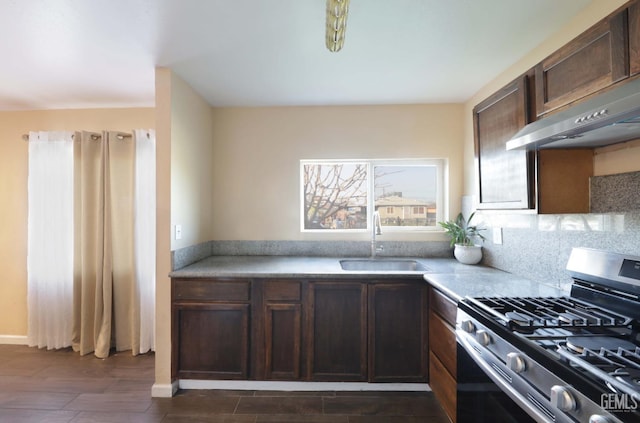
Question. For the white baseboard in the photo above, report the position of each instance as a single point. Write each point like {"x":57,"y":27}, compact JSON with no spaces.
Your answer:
{"x":13,"y":340}
{"x":259,"y":385}
{"x":164,"y":390}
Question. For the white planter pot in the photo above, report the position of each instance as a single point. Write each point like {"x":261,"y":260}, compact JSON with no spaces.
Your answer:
{"x":468,"y":254}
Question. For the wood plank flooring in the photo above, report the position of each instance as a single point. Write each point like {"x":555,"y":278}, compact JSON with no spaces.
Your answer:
{"x":62,"y":387}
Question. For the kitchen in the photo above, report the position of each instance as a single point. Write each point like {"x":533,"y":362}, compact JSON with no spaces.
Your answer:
{"x":186,"y":160}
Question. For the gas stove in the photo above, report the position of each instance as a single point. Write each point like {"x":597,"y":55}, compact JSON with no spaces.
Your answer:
{"x":566,"y":359}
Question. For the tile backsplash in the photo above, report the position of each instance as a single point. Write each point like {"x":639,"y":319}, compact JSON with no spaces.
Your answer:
{"x":538,"y":246}
{"x":533,"y":246}
{"x":615,"y":193}
{"x":186,"y":256}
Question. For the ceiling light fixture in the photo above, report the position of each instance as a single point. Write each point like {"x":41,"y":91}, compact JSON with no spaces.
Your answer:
{"x":336,"y":23}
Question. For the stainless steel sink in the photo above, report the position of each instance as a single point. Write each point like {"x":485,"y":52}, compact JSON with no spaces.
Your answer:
{"x":381,"y":265}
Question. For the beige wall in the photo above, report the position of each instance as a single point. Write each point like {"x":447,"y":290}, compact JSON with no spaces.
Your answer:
{"x":257,"y":153}
{"x":163,"y":232}
{"x":191,"y":169}
{"x":605,"y":162}
{"x":184,"y":195}
{"x":13,"y":192}
{"x":617,"y":158}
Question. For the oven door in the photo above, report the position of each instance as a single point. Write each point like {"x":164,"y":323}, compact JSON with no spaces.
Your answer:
{"x":480,"y":399}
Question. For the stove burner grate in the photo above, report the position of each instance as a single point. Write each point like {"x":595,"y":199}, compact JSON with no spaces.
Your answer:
{"x":617,"y":366}
{"x":629,"y":376}
{"x":580,"y":344}
{"x":528,"y":314}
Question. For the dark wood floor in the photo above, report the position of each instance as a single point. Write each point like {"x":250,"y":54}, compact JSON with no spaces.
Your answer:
{"x":60,"y":386}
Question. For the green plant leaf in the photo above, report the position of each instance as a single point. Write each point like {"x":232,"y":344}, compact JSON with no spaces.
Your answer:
{"x":460,"y":231}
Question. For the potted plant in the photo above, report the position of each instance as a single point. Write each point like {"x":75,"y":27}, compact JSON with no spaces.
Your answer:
{"x":463,"y":235}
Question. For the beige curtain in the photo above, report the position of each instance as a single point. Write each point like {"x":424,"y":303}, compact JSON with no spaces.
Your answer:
{"x":106,"y":307}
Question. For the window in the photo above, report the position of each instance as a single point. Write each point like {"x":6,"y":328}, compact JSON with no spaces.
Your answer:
{"x":339,"y":195}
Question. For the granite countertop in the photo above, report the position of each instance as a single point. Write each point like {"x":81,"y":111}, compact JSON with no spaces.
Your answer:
{"x":489,"y":283}
{"x":294,"y":266}
{"x":453,"y":278}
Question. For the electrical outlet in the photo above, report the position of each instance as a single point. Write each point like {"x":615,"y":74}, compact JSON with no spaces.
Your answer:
{"x":178,"y":231}
{"x":497,"y":236}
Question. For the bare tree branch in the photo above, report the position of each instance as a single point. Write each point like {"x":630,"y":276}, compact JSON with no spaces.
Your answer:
{"x":331,"y":188}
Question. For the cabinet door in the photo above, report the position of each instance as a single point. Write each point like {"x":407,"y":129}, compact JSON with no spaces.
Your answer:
{"x":634,"y":37}
{"x":282,"y":341}
{"x":212,"y":341}
{"x":397,"y":332}
{"x":505,"y":177}
{"x":594,"y":60}
{"x":337,"y":331}
{"x":281,"y":330}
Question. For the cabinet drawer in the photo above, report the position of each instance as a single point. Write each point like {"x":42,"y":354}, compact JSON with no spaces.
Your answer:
{"x":212,"y":290}
{"x":443,"y":305}
{"x":442,"y":342}
{"x":443,"y":386}
{"x":282,"y":291}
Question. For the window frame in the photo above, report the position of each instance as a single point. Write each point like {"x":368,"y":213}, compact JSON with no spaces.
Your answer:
{"x":441,"y":166}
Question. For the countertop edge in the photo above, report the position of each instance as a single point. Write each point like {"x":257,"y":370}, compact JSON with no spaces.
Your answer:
{"x":454,"y":279}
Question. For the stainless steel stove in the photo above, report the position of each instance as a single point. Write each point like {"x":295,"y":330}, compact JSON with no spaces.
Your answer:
{"x":568,"y":359}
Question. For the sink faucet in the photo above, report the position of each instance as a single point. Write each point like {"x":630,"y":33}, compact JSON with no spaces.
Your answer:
{"x":376,"y":230}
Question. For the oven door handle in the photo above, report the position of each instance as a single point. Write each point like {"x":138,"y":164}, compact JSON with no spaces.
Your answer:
{"x":469,"y":347}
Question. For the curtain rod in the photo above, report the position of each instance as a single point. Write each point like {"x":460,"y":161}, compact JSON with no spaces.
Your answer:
{"x":94,"y":135}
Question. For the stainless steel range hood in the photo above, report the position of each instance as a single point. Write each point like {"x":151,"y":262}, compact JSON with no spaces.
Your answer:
{"x":609,"y":118}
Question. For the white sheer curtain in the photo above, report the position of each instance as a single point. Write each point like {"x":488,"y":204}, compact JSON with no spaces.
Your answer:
{"x":50,"y":239}
{"x":92,"y":242}
{"x":145,"y":235}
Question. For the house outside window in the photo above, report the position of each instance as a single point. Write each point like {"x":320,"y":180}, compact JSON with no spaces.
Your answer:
{"x":338,"y":195}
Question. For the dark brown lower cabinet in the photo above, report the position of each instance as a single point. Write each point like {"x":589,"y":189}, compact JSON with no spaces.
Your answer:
{"x":443,"y":386}
{"x":397,"y":332}
{"x":282,"y":327}
{"x":212,"y":341}
{"x":443,"y":350}
{"x":290,"y":329}
{"x":280,"y":331}
{"x":337,"y":330}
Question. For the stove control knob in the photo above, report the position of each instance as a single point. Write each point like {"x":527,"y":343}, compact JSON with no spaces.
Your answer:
{"x":516,"y":362}
{"x":562,"y":398}
{"x":597,"y":418}
{"x":467,"y":326}
{"x":483,"y":337}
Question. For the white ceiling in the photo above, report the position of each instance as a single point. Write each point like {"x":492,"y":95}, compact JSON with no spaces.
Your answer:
{"x":102,"y":53}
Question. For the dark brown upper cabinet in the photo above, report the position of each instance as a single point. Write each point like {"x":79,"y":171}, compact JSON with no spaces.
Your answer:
{"x":594,"y":60}
{"x":634,"y":37}
{"x":505,"y":177}
{"x":552,"y":181}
